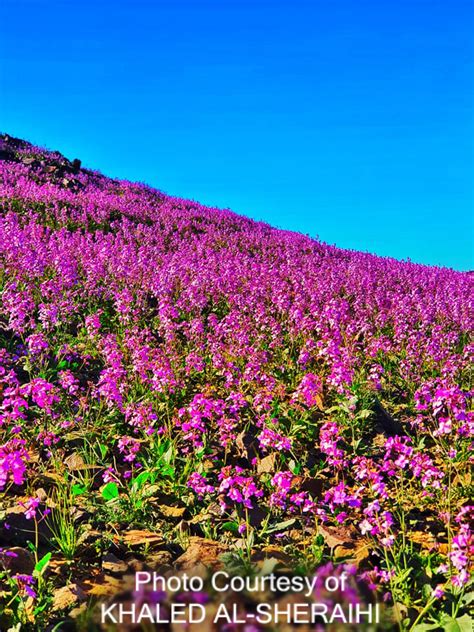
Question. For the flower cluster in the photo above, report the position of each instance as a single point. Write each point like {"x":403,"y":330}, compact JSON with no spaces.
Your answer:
{"x":239,"y":489}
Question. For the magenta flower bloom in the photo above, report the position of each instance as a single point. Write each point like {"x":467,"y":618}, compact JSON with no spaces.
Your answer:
{"x":13,"y":458}
{"x":26,"y":584}
{"x":32,"y":505}
{"x":199,"y":485}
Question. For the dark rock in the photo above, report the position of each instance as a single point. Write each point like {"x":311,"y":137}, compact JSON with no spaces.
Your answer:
{"x":17,"y":560}
{"x":389,"y":424}
{"x":18,"y":529}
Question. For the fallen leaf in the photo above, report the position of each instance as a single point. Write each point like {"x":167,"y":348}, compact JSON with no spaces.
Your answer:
{"x":334,"y":537}
{"x":168,"y":511}
{"x":50,"y":478}
{"x":203,"y":516}
{"x":424,"y":538}
{"x":267,"y":464}
{"x":275,"y":555}
{"x":200,"y":551}
{"x":74,"y":461}
{"x":355,"y":552}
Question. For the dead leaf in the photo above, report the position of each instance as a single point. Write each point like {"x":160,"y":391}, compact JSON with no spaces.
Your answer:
{"x":200,"y":551}
{"x":424,"y":538}
{"x":50,"y":478}
{"x":168,"y":511}
{"x":203,"y":516}
{"x":355,"y":552}
{"x":267,"y":464}
{"x":135,"y":565}
{"x":319,"y":402}
{"x":89,"y":536}
{"x":74,"y":435}
{"x":212,"y":511}
{"x":333,"y":537}
{"x":462,"y":481}
{"x":277,"y":554}
{"x":75,"y":462}
{"x":59,"y":566}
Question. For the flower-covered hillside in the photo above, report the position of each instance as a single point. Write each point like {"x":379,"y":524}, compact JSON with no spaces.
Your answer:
{"x":184,"y":370}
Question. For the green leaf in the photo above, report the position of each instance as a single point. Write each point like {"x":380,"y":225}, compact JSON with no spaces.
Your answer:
{"x":319,"y":540}
{"x":295,"y":468}
{"x":168,"y":455}
{"x":269,"y":566}
{"x":103,"y":450}
{"x":41,"y":565}
{"x":233,"y":527}
{"x":461,"y":624}
{"x":281,"y":526}
{"x":77,"y":489}
{"x":167,"y":470}
{"x":140,"y":480}
{"x":110,"y":491}
{"x":467,"y":598}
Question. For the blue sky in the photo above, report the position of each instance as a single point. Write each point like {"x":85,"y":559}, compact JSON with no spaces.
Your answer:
{"x":343,"y":119}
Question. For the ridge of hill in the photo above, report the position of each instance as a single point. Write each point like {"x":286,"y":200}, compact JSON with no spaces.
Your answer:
{"x":183,"y":385}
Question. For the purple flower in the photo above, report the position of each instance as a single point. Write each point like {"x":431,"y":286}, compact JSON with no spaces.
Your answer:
{"x":13,"y":458}
{"x":199,"y":485}
{"x":241,"y":490}
{"x":36,"y":344}
{"x":129,"y":447}
{"x":269,"y":438}
{"x":32,"y":505}
{"x":26,"y":583}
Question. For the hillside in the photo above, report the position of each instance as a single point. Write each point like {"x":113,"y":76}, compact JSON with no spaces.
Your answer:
{"x":179,"y":382}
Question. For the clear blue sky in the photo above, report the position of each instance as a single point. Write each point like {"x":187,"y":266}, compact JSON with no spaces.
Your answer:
{"x":350,"y":120}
